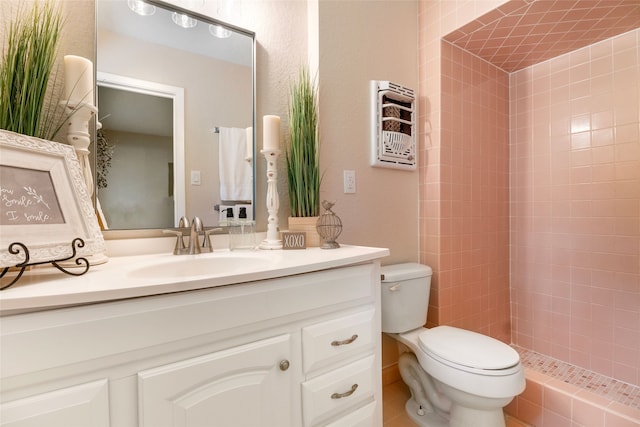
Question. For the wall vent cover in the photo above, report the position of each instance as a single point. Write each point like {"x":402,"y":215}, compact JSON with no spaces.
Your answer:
{"x":393,"y":142}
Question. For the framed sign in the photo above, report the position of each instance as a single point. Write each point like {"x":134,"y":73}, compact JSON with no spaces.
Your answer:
{"x":294,"y":240}
{"x":44,"y":202}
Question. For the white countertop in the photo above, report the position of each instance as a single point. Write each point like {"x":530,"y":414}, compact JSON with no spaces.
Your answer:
{"x":142,"y":275}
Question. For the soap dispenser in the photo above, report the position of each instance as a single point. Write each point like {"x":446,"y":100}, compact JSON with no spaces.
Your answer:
{"x":228,"y":220}
{"x":242,"y":232}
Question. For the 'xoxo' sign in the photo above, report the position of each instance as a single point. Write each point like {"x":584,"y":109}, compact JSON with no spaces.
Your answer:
{"x":294,"y":240}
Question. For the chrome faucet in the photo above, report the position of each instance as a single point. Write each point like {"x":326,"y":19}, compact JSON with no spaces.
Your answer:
{"x":194,"y":239}
{"x":193,"y":229}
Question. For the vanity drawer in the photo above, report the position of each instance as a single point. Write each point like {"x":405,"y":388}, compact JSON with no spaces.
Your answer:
{"x":361,"y":417}
{"x":330,"y":341}
{"x":338,"y":390}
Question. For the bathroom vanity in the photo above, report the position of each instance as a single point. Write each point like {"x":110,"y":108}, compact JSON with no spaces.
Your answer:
{"x":269,"y":338}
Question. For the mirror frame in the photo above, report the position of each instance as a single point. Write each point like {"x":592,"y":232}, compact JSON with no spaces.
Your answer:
{"x":155,"y":232}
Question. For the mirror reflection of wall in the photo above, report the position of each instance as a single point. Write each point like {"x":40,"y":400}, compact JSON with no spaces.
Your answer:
{"x":217,"y":78}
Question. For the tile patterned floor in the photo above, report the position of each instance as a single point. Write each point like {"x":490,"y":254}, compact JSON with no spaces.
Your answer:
{"x":394,"y":397}
{"x":601,"y":385}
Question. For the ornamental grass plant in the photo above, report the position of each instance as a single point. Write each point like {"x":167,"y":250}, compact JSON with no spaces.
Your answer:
{"x":302,"y":154}
{"x":29,"y":54}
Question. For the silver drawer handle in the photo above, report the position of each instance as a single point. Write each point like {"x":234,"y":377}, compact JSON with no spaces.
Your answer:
{"x":346,"y":393}
{"x":344,"y":342}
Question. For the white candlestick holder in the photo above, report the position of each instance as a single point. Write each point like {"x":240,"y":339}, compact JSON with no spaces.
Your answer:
{"x":78,"y":135}
{"x":273,"y":240}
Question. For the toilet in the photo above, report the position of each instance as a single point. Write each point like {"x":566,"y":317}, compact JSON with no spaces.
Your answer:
{"x":457,"y":378}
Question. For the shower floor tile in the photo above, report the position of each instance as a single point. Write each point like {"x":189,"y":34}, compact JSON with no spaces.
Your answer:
{"x":614,"y":390}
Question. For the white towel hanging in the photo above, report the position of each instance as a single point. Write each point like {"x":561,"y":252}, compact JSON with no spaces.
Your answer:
{"x":236,"y":180}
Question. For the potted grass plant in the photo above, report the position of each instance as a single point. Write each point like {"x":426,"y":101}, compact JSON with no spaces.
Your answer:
{"x":303,"y":157}
{"x":28,"y":59}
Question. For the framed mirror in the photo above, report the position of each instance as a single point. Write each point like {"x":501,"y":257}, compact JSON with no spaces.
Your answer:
{"x":176,"y":113}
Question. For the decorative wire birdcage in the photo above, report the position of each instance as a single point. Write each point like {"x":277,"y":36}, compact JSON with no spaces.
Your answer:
{"x":329,"y":227}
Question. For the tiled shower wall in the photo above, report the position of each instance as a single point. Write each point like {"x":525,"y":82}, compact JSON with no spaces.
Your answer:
{"x":575,"y":207}
{"x":473,"y":194}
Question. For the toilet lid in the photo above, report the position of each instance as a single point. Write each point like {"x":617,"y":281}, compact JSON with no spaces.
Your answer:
{"x":467,"y":348}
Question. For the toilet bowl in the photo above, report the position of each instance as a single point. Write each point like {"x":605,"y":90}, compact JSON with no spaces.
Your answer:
{"x":457,"y":378}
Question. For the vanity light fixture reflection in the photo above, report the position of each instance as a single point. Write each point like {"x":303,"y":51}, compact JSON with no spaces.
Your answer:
{"x":183,"y":20}
{"x":141,"y":7}
{"x":225,"y":10}
{"x":219,"y":31}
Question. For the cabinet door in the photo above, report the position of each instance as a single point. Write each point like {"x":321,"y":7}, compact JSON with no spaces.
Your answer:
{"x":82,"y":405}
{"x":241,"y":386}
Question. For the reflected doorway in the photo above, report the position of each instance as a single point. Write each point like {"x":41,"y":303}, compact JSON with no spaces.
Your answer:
{"x":136,"y":169}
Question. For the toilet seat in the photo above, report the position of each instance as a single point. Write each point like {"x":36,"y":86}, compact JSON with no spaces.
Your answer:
{"x":469,"y":351}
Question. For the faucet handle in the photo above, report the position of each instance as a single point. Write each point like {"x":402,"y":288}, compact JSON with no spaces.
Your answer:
{"x":179,"y":247}
{"x":183,"y":223}
{"x":206,"y":241}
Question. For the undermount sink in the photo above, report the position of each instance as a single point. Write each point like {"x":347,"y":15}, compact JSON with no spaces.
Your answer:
{"x":211,"y":264}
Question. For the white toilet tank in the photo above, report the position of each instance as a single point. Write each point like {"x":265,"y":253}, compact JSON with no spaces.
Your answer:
{"x":404,"y":296}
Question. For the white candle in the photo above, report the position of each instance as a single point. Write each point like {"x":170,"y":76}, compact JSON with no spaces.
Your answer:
{"x":78,"y":79}
{"x":249,"y":153}
{"x":271,"y":132}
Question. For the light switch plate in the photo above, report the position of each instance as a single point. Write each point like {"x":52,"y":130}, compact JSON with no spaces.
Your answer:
{"x":349,"y":182}
{"x":195,"y":177}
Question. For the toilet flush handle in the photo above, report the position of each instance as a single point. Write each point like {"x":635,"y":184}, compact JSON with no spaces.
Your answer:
{"x":395,"y":287}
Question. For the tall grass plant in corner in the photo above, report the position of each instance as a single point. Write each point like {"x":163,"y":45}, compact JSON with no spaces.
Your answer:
{"x":29,"y":51}
{"x":302,"y":153}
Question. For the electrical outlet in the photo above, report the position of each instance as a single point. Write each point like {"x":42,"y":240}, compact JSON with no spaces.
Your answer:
{"x":349,"y":182}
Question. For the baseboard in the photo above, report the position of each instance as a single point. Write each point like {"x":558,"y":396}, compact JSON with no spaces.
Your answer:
{"x":390,"y":374}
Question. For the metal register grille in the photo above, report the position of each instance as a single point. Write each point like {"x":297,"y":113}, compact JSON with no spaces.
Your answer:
{"x":393,"y":135}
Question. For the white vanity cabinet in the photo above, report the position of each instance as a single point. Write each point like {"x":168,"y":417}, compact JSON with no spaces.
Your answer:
{"x":300,"y":350}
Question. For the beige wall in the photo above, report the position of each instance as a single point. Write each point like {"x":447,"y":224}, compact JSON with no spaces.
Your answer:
{"x":384,"y":210}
